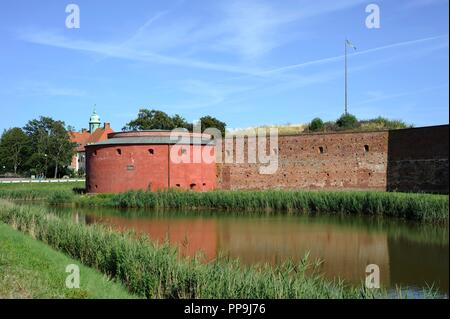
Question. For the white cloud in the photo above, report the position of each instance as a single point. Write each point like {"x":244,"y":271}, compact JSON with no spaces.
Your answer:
{"x":44,"y":88}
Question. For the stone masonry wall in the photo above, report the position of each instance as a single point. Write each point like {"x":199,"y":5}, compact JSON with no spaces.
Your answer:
{"x":382,"y":160}
{"x":418,"y":160}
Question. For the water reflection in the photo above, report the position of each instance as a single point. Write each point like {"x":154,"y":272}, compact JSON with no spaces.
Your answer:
{"x":408,"y":254}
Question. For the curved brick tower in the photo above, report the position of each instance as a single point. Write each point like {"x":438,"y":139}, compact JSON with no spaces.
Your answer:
{"x":151,"y":160}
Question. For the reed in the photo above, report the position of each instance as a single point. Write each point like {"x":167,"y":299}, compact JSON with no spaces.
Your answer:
{"x":156,"y":271}
{"x":423,"y":207}
{"x":420,"y":207}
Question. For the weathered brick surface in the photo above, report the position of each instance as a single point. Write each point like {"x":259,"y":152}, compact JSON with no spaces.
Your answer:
{"x":400,"y":160}
{"x":146,"y":167}
{"x":418,"y":160}
{"x":404,"y":160}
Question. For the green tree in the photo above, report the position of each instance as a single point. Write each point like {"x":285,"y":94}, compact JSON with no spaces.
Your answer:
{"x":212,"y":122}
{"x":14,"y":147}
{"x":156,"y":120}
{"x":180,"y":122}
{"x":50,"y":144}
{"x":347,"y":121}
{"x":316,"y":125}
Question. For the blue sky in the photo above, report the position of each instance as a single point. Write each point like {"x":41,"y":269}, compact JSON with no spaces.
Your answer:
{"x":246,"y":62}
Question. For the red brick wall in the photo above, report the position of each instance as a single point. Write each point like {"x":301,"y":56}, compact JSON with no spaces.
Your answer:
{"x":403,"y":160}
{"x":137,"y":168}
{"x":344,"y":163}
{"x":400,"y":160}
{"x":418,"y":160}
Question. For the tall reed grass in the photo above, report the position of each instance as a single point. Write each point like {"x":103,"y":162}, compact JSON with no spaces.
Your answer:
{"x":421,"y":207}
{"x":155,"y":271}
{"x":424,"y":207}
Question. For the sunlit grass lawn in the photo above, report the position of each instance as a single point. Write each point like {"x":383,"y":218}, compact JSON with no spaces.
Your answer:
{"x":31,"y":269}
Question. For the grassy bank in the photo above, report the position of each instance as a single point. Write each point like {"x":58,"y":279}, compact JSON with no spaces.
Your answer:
{"x":422,"y":207}
{"x":39,"y":191}
{"x":31,"y":269}
{"x":155,"y":271}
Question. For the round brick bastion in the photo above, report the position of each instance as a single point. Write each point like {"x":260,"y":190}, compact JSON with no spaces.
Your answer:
{"x":151,"y":160}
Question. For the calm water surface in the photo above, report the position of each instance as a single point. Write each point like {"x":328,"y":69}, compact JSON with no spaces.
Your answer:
{"x":409,"y":254}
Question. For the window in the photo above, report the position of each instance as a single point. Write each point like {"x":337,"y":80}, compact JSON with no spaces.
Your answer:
{"x":151,"y":151}
{"x":193,"y":186}
{"x":178,"y":185}
{"x":119,"y":151}
{"x":366,"y":148}
{"x":95,"y":153}
{"x":320,"y":150}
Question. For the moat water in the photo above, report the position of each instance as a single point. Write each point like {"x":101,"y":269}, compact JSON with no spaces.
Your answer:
{"x":411,"y":255}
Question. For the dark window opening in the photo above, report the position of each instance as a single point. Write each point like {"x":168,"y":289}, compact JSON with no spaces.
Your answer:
{"x":204,"y":184}
{"x":366,"y":148}
{"x":178,"y":185}
{"x":320,"y":150}
{"x":119,"y":151}
{"x":151,"y":151}
{"x":96,"y":186}
{"x":95,"y":153}
{"x":192,"y":186}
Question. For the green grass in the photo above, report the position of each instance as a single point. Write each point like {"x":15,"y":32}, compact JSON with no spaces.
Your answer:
{"x":31,"y":269}
{"x":39,"y":191}
{"x":420,"y":207}
{"x":423,"y":207}
{"x":156,"y":271}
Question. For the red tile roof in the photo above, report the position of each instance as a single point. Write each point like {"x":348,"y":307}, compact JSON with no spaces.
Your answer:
{"x":84,"y":137}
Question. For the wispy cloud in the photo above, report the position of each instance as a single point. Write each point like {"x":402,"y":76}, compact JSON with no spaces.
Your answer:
{"x":123,"y":52}
{"x":253,"y":28}
{"x":244,"y":29}
{"x":377,"y":96}
{"x":48,"y":89}
{"x":340,"y":57}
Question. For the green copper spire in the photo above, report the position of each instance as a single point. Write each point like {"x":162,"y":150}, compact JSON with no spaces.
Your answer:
{"x":94,"y":121}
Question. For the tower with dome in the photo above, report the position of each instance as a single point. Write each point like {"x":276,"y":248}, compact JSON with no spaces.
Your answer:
{"x":94,"y":134}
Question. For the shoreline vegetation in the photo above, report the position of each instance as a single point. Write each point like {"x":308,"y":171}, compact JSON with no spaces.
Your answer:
{"x":31,"y":269}
{"x":152,"y":270}
{"x":411,"y":206}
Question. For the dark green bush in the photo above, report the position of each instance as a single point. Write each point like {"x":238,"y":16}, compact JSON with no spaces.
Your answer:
{"x":316,"y":125}
{"x":347,"y":121}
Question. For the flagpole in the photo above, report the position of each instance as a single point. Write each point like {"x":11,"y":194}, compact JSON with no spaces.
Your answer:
{"x":346,"y":96}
